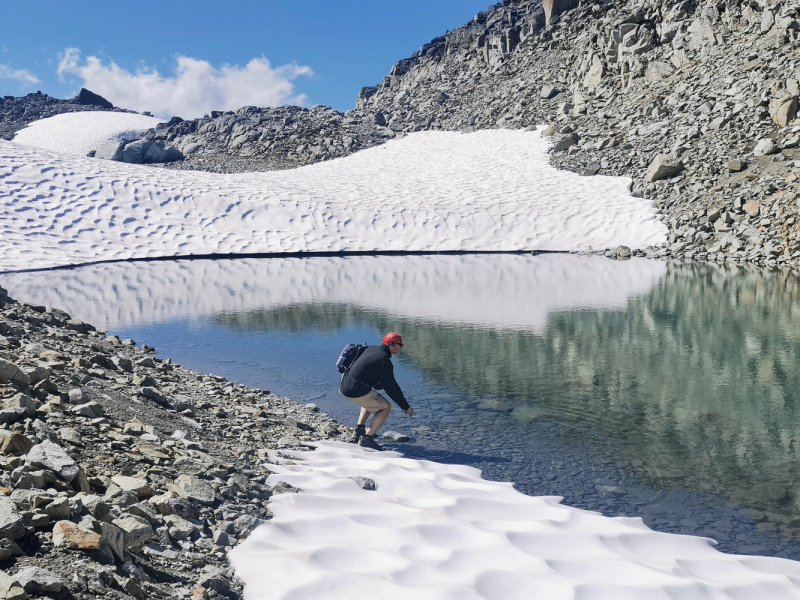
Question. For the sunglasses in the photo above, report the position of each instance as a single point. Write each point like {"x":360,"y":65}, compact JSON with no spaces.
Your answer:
{"x":398,"y":344}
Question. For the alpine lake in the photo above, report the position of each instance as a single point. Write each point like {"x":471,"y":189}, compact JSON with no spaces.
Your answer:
{"x":667,"y":391}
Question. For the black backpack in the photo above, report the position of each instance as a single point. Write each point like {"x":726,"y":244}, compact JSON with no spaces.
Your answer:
{"x":348,"y":356}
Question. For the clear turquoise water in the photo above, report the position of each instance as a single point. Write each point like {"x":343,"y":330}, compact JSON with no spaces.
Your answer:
{"x":679,"y":403}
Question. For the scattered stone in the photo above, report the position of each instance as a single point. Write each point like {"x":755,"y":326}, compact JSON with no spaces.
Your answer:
{"x":10,"y":589}
{"x":765,"y":147}
{"x":35,"y":579}
{"x":70,"y":535}
{"x":195,"y":489}
{"x":663,"y":166}
{"x":12,"y":442}
{"x":736,"y":165}
{"x":395,"y":436}
{"x":48,"y":455}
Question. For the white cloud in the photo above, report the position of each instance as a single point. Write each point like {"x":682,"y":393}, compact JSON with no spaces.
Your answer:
{"x":196,"y":87}
{"x":22,"y":75}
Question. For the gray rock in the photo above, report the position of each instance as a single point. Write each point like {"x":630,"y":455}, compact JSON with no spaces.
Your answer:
{"x":161,"y":152}
{"x":12,"y":525}
{"x":153,"y":394}
{"x":765,"y":147}
{"x":395,"y":436}
{"x":365,"y":483}
{"x":111,"y":150}
{"x":736,"y":165}
{"x":134,"y":152}
{"x":21,"y":402}
{"x":11,"y":372}
{"x":10,"y":589}
{"x":553,"y":8}
{"x":77,"y":396}
{"x":195,"y":489}
{"x":35,"y":579}
{"x":48,"y":455}
{"x":663,"y":166}
{"x":548,"y":92}
{"x":380,"y":119}
{"x":91,"y":410}
{"x":565,"y":142}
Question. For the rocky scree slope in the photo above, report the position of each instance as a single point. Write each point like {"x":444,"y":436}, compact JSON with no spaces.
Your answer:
{"x":16,"y":113}
{"x":696,"y":101}
{"x":125,"y":476}
{"x":258,"y":139}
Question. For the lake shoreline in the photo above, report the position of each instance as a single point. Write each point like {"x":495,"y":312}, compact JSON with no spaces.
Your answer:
{"x":149,"y":473}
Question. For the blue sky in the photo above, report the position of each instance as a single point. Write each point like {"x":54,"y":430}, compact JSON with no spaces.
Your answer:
{"x":319,"y":52}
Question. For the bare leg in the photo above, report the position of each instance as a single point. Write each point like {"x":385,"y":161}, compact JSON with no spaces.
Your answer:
{"x":362,"y":416}
{"x":378,"y":419}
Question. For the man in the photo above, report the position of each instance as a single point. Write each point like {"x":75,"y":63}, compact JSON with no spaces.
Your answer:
{"x":371,"y":371}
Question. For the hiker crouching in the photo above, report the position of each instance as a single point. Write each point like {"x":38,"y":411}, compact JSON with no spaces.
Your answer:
{"x":371,"y":371}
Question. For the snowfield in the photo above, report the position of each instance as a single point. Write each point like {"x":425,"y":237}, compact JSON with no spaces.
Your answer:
{"x":80,"y":132}
{"x":439,"y":532}
{"x":431,"y":191}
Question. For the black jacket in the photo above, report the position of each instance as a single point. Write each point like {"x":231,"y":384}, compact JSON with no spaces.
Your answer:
{"x":373,"y":369}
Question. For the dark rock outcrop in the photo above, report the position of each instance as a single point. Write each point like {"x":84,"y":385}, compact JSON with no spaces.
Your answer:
{"x":86,"y":97}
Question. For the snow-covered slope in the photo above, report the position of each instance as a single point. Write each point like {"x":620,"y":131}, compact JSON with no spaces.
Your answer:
{"x":439,"y":532}
{"x":498,"y":291}
{"x":79,"y":132}
{"x":431,"y":191}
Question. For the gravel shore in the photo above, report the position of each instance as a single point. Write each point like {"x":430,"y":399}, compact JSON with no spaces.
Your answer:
{"x":126,"y":476}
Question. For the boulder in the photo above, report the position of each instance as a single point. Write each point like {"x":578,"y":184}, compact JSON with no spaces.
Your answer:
{"x":194,"y":489}
{"x":595,"y":75}
{"x":35,"y":579}
{"x":12,"y":442}
{"x":12,"y":525}
{"x":765,"y":147}
{"x":380,"y":119}
{"x":69,"y":535}
{"x":548,"y":92}
{"x":48,"y":455}
{"x":134,"y":152}
{"x":153,"y":394}
{"x":663,"y":166}
{"x":88,"y":98}
{"x":111,"y":150}
{"x":10,"y":589}
{"x":91,"y":410}
{"x":11,"y":372}
{"x":564,"y":142}
{"x":21,"y":403}
{"x":554,"y":8}
{"x":135,"y":485}
{"x":115,"y":538}
{"x":137,"y":529}
{"x":736,"y":165}
{"x":58,"y":509}
{"x":161,"y":152}
{"x":783,"y":110}
{"x":752,"y":208}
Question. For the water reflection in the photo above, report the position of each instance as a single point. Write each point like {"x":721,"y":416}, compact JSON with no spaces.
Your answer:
{"x":623,"y":386}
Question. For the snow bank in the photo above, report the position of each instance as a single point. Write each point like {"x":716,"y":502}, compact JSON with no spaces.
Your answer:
{"x":431,"y":191}
{"x":432,"y":531}
{"x":498,"y":291}
{"x":79,"y":132}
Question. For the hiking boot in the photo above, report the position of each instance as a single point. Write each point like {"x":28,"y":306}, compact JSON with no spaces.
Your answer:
{"x":368,"y":441}
{"x":361,"y":431}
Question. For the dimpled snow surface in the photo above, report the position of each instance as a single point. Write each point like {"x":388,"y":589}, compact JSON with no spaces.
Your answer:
{"x":430,"y":191}
{"x":433,"y":531}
